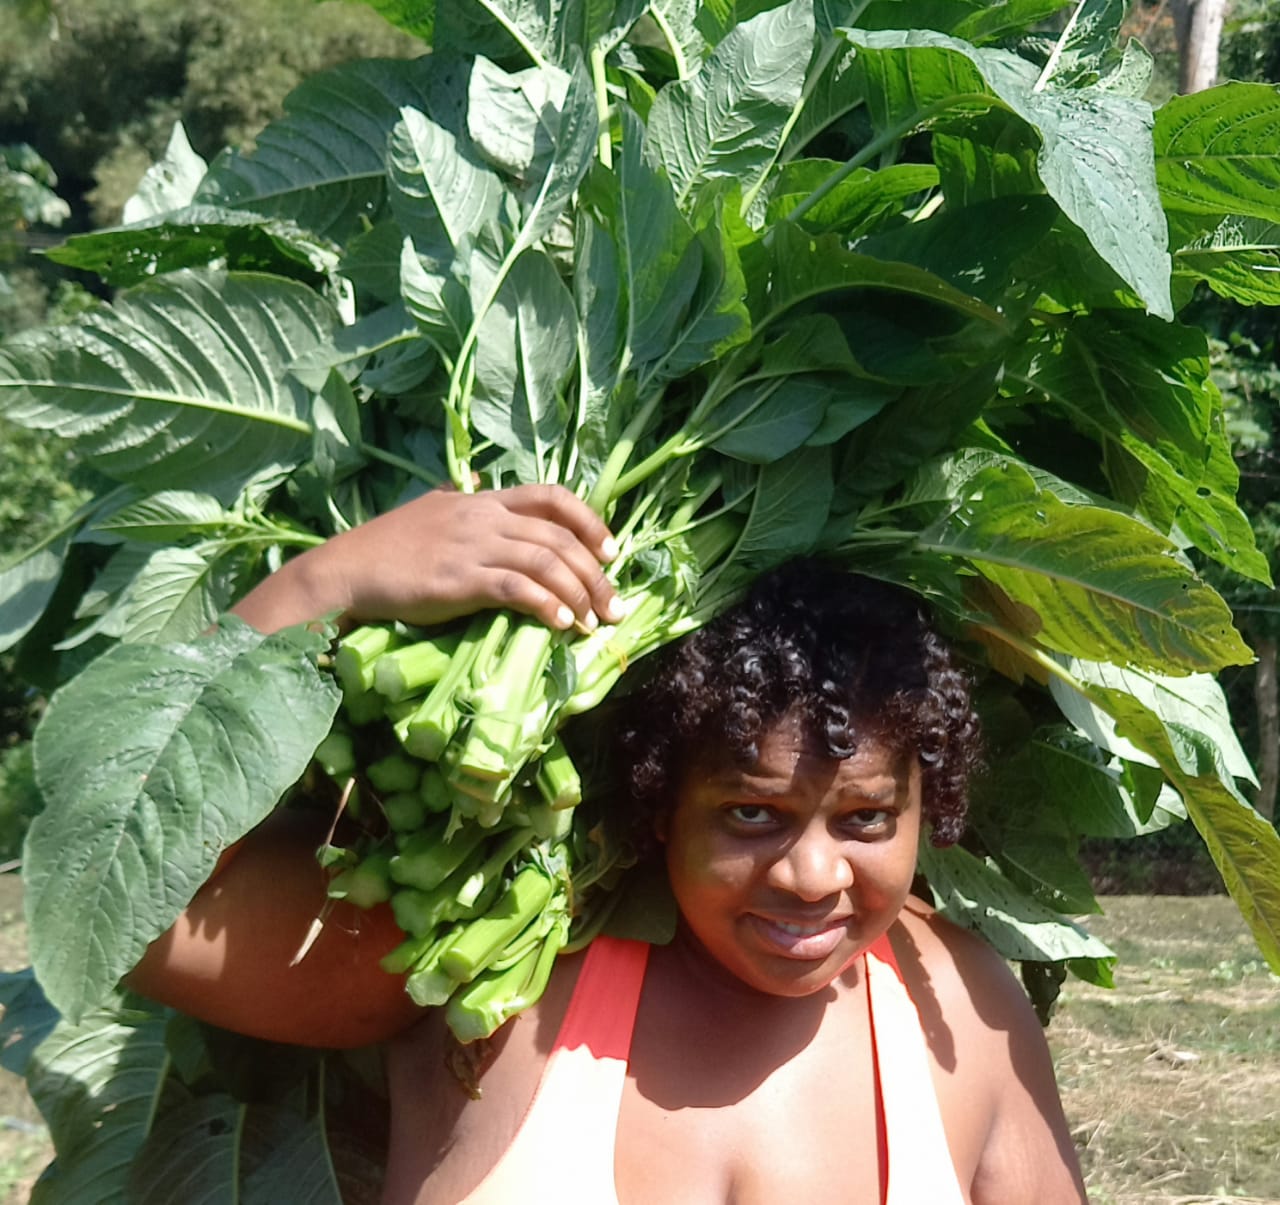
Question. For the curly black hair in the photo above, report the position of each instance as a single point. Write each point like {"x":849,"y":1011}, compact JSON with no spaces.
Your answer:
{"x":857,"y":656}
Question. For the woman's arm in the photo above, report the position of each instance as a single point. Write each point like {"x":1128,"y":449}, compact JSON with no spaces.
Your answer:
{"x":261,"y":949}
{"x":535,"y":548}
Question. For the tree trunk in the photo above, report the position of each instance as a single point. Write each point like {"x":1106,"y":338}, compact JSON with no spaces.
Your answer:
{"x":1197,"y":26}
{"x":1268,"y":705}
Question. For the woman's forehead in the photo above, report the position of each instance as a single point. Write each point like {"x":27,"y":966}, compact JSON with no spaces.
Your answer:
{"x":793,"y":736}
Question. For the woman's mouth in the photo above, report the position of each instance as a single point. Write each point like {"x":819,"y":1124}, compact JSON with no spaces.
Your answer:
{"x":790,"y":939}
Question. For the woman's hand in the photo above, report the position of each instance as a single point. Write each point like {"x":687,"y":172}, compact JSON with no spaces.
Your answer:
{"x":533,"y":548}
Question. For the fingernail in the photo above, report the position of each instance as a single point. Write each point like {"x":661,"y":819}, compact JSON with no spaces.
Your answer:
{"x":564,"y":617}
{"x":609,"y":549}
{"x":590,"y":622}
{"x":614,"y":610}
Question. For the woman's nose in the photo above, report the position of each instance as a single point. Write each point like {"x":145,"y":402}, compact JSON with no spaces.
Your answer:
{"x":813,"y":866}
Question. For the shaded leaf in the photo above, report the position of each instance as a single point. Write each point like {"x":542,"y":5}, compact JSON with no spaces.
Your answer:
{"x":151,"y":762}
{"x":973,"y":894}
{"x":97,"y":1083}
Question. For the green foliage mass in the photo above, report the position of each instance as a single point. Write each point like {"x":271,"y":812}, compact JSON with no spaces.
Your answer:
{"x":852,"y":278}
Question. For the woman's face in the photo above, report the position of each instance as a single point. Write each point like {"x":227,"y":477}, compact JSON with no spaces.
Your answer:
{"x":786,"y":870}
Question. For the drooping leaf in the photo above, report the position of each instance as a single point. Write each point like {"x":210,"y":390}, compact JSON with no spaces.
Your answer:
{"x":97,"y":1083}
{"x":1194,"y":702}
{"x":151,"y":762}
{"x":973,"y":894}
{"x":1244,"y":846}
{"x":183,"y":382}
{"x":728,"y":119}
{"x":1095,"y":156}
{"x":788,"y":510}
{"x":1089,"y":581}
{"x":1140,"y":388}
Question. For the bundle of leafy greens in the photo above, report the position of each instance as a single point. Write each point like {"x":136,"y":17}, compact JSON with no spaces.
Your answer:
{"x":889,"y":281}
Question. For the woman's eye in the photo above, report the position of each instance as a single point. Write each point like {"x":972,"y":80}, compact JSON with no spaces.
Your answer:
{"x":868,"y":818}
{"x":752,"y":815}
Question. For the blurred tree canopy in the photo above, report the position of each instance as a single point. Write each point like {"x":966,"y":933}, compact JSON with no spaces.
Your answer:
{"x":89,"y":94}
{"x":96,"y":85}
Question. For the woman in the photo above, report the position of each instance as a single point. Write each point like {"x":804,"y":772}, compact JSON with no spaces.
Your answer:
{"x":813,"y":1032}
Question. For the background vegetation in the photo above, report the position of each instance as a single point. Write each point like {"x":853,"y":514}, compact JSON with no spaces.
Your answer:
{"x":89,"y":94}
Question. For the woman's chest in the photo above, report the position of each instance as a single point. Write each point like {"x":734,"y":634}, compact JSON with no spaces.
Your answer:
{"x":751,"y":1111}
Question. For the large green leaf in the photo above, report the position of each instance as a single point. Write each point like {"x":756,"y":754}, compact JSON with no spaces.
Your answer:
{"x":1215,"y":151}
{"x":974,"y":894}
{"x":342,"y":118}
{"x":526,"y":349}
{"x":183,"y":382}
{"x":197,"y":237}
{"x":728,"y":119}
{"x":1140,"y":388}
{"x":441,"y":195}
{"x":97,"y":1084}
{"x":1086,"y":580}
{"x":1244,"y":846}
{"x":151,"y":761}
{"x":1095,"y":157}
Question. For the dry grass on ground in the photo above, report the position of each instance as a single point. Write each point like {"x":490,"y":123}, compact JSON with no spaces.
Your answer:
{"x":1171,"y":1082}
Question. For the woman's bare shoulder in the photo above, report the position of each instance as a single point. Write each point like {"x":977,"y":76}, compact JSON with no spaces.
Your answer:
{"x":993,"y":1061}
{"x":968,"y":977}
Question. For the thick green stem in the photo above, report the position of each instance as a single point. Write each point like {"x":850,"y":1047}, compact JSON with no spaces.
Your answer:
{"x":605,"y":491}
{"x":487,"y":936}
{"x":604,"y":143}
{"x":879,"y":144}
{"x":399,"y":462}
